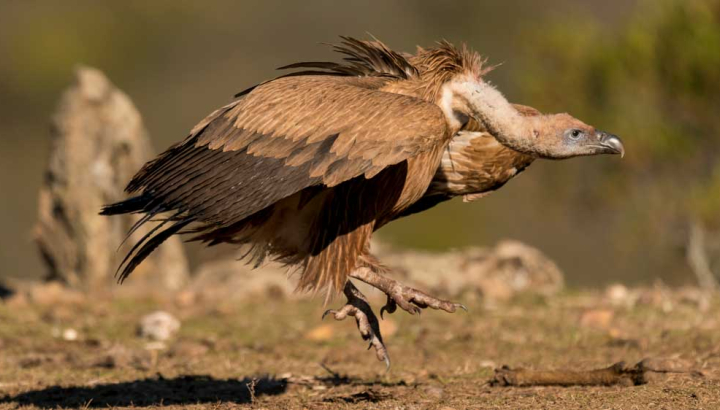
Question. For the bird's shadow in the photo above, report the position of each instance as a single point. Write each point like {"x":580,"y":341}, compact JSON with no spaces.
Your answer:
{"x":157,"y":391}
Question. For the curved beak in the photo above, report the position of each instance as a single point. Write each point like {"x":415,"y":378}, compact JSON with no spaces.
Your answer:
{"x":611,"y":143}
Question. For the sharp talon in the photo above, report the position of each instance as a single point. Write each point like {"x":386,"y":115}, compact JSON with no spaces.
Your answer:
{"x":367,"y":323}
{"x":333,"y":311}
{"x":382,"y":310}
{"x":461,"y":306}
{"x":387,"y":364}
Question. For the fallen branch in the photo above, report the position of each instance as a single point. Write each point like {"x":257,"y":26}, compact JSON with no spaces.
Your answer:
{"x":617,"y":374}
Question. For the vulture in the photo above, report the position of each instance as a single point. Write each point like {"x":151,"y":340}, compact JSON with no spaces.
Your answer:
{"x":303,"y":168}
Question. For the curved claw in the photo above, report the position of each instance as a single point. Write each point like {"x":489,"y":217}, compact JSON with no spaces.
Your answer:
{"x":390,"y":307}
{"x":333,"y":311}
{"x":387,"y":363}
{"x":461,"y":306}
{"x":383,"y":309}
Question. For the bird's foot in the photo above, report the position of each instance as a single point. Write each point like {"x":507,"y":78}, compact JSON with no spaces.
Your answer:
{"x":367,"y":323}
{"x":409,"y":299}
{"x":413,"y":301}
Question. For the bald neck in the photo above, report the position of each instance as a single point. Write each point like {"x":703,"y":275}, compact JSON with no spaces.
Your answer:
{"x":509,"y":126}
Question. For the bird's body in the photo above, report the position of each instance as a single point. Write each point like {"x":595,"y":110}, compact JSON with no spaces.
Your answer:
{"x":305,"y":167}
{"x":473,"y":165}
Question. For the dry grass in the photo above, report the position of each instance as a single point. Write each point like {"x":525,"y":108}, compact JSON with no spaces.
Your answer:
{"x":269,"y":353}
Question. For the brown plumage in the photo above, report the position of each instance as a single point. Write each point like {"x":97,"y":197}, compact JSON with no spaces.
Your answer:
{"x":473,"y":165}
{"x":305,"y":167}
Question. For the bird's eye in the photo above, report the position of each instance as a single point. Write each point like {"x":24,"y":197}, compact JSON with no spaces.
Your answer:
{"x":575,"y":134}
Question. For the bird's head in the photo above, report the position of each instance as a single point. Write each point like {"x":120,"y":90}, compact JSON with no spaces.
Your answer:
{"x":561,"y":136}
{"x":553,"y":136}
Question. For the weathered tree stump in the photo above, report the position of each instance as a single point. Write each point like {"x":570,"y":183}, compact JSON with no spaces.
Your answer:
{"x":98,"y":143}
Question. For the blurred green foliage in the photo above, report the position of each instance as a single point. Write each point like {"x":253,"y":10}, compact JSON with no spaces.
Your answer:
{"x":657,"y":84}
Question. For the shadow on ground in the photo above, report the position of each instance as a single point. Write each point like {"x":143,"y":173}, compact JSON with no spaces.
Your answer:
{"x":153,"y":392}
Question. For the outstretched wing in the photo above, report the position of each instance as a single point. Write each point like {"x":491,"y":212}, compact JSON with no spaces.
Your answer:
{"x":282,"y":137}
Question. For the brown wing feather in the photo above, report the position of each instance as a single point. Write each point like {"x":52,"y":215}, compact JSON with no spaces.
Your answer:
{"x":284,"y":136}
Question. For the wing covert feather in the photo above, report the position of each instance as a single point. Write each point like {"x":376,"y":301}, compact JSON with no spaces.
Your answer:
{"x":284,"y":136}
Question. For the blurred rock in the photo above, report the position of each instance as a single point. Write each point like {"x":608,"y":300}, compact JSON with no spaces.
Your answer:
{"x":228,"y":278}
{"x":70,"y":335}
{"x":158,"y":326}
{"x":616,"y":292}
{"x":53,"y":294}
{"x":117,"y":356}
{"x":435,"y":392}
{"x":498,"y":274}
{"x":98,"y":143}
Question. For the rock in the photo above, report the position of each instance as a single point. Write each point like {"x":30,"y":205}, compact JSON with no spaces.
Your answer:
{"x":116,"y":356}
{"x":70,"y":335}
{"x":435,"y":392}
{"x":53,"y":294}
{"x":98,"y":142}
{"x":498,"y":273}
{"x":618,"y":295}
{"x":158,"y":326}
{"x":228,"y":278}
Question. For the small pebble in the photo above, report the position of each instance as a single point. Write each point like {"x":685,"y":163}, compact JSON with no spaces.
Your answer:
{"x":158,"y":326}
{"x":70,"y":334}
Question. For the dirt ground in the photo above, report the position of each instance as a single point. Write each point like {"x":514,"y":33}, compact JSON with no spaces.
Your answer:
{"x":275,"y":353}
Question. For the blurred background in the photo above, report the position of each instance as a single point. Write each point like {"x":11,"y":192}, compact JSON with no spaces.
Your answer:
{"x":648,"y":71}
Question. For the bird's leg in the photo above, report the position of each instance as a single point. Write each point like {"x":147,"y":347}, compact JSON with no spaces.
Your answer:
{"x":367,"y":323}
{"x":409,"y":299}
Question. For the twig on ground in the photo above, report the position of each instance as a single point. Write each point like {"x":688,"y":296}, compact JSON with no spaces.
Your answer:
{"x":617,"y":374}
